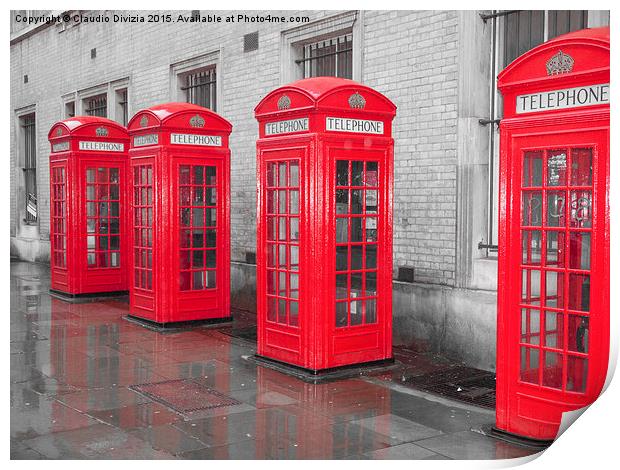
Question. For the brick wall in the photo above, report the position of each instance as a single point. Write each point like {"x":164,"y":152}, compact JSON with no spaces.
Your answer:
{"x":409,"y":56}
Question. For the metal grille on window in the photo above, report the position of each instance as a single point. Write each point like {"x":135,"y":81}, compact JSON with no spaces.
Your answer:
{"x":30,"y":167}
{"x":330,"y":57}
{"x":283,"y":242}
{"x":143,"y":226}
{"x":97,"y":106}
{"x":200,"y":88}
{"x":198,"y":220}
{"x":525,"y":29}
{"x":556,"y":228}
{"x":357,"y":192}
{"x":103,"y":217}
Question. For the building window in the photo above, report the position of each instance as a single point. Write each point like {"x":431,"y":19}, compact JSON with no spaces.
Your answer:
{"x":122,"y":106}
{"x":328,"y":57}
{"x":200,"y":88}
{"x":70,"y":109}
{"x":30,"y":167}
{"x":526,"y":29}
{"x":96,"y":106}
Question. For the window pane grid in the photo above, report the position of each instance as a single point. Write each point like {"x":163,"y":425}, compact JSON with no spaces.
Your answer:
{"x":198,"y":222}
{"x":103,"y":217}
{"x":143,"y":226}
{"x":30,"y":168}
{"x":59,"y":223}
{"x":555,"y":265}
{"x":282,"y":215}
{"x":356,"y":204}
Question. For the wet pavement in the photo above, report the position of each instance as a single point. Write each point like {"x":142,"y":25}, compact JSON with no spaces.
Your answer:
{"x":87,"y":384}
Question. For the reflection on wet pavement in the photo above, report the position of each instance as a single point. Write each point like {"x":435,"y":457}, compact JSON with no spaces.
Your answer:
{"x":72,"y":366}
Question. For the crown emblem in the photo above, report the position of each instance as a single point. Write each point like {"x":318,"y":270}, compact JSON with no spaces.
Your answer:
{"x":197,"y":121}
{"x":101,"y":132}
{"x":357,"y":101}
{"x":59,"y":131}
{"x":560,"y":63}
{"x":284,"y":102}
{"x":144,"y":121}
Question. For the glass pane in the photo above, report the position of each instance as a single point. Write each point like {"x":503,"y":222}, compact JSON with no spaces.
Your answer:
{"x":556,"y":168}
{"x":114,"y":243}
{"x":211,"y":197}
{"x":342,"y":201}
{"x":199,"y":197}
{"x":342,"y":286}
{"x":552,"y":372}
{"x":371,"y":201}
{"x":529,"y":365}
{"x":341,"y":313}
{"x":578,"y":333}
{"x":271,"y":174}
{"x":281,"y":311}
{"x":531,"y":246}
{"x":554,"y":330}
{"x":198,"y":217}
{"x":342,"y":173}
{"x":282,"y":175}
{"x":294,"y":228}
{"x":210,"y":217}
{"x":271,"y":282}
{"x":357,"y":172}
{"x":211,"y":259}
{"x":293,"y":286}
{"x":282,"y":277}
{"x":530,"y":326}
{"x":210,"y":176}
{"x":90,"y":175}
{"x":282,"y":202}
{"x":532,"y":208}
{"x":294,"y":250}
{"x":184,"y":259}
{"x":271,"y":228}
{"x":371,"y":310}
{"x":184,"y":175}
{"x":530,"y":287}
{"x":580,"y":209}
{"x":115,"y":259}
{"x":90,"y":225}
{"x":356,"y":201}
{"x":581,"y":167}
{"x":91,"y":209}
{"x":372,"y":177}
{"x":356,"y":257}
{"x":90,"y":192}
{"x":90,"y":258}
{"x":554,"y":289}
{"x":579,"y":292}
{"x":356,"y":229}
{"x":579,"y":254}
{"x":282,"y":256}
{"x":90,"y":242}
{"x":370,"y":287}
{"x":294,"y":170}
{"x":556,"y":205}
{"x":371,"y":229}
{"x":198,"y":280}
{"x":211,"y":238}
{"x":294,"y":195}
{"x":198,"y":176}
{"x":555,"y":249}
{"x":371,"y":256}
{"x":185,"y":280}
{"x":532,"y":169}
{"x":342,"y":258}
{"x":293,"y":317}
{"x":271,"y":201}
{"x":271,"y":309}
{"x":356,"y":312}
{"x":197,"y":239}
{"x":342,"y":228}
{"x":211,"y":275}
{"x":577,"y":374}
{"x":197,"y":258}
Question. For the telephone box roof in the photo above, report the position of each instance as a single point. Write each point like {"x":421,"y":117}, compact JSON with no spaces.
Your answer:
{"x":81,"y":124}
{"x":318,"y":92}
{"x":164,"y":113}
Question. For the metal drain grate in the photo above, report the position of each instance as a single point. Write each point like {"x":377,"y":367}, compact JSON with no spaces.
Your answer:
{"x":184,"y":395}
{"x":464,"y":384}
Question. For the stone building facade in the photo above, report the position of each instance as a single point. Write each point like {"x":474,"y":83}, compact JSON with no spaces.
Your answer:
{"x":438,"y":67}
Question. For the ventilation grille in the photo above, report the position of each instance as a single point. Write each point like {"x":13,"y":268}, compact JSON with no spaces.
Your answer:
{"x":250,"y":42}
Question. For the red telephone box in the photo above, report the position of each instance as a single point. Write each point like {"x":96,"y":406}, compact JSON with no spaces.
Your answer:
{"x":180,"y":210}
{"x":88,"y":164}
{"x":553,"y":335}
{"x":324,"y":254}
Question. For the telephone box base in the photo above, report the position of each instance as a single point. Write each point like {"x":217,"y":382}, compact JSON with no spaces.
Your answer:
{"x":90,"y":297}
{"x":323,"y":375}
{"x":176,"y":326}
{"x":511,"y":438}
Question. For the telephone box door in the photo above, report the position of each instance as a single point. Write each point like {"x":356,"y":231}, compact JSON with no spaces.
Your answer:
{"x":555,"y":245}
